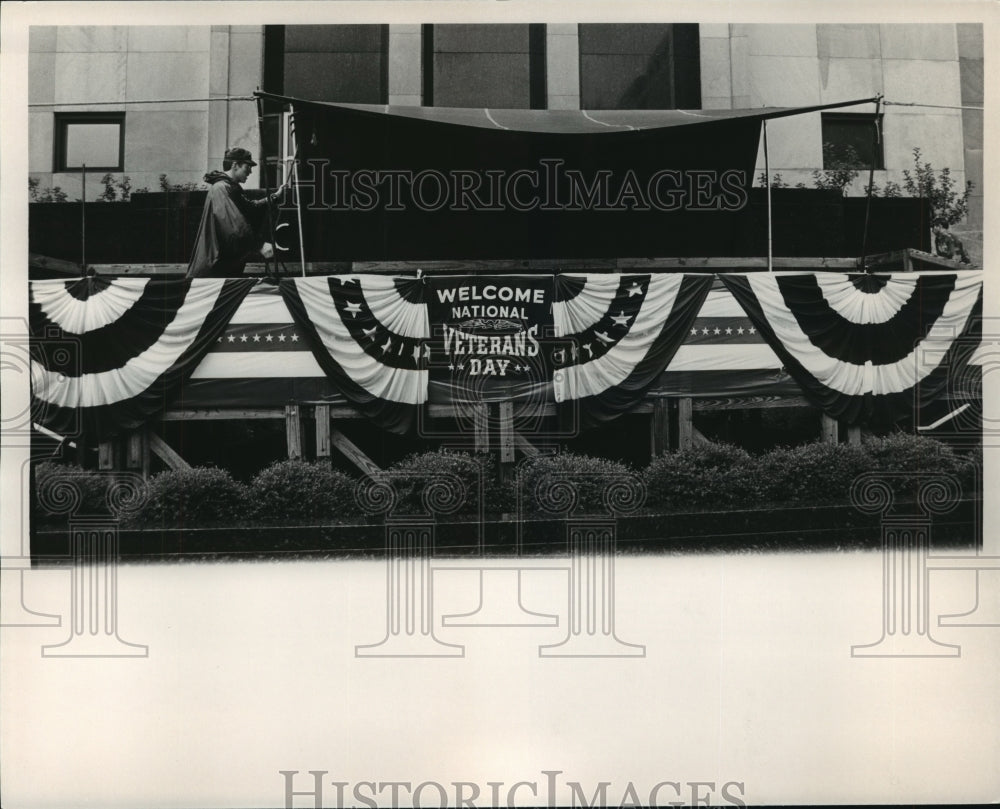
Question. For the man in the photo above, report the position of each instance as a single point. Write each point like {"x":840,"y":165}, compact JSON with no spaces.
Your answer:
{"x":947,"y":244}
{"x":231,"y":229}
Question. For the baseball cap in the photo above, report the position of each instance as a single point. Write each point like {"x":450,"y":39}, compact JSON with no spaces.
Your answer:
{"x":240,"y":155}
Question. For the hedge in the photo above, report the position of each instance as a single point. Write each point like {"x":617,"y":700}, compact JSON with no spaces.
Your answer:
{"x":193,"y":498}
{"x":298,"y":491}
{"x":706,"y":476}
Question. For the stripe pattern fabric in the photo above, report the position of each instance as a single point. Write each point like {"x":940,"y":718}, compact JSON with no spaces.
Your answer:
{"x":862,"y":347}
{"x":108,"y":354}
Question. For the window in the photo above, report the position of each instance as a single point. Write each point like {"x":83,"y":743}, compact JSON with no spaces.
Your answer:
{"x":640,"y":66}
{"x":850,"y":141}
{"x":94,"y":140}
{"x":484,"y":65}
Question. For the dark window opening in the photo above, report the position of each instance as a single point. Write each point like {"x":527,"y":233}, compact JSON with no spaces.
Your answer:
{"x":851,"y":141}
{"x":640,"y":66}
{"x":95,"y":140}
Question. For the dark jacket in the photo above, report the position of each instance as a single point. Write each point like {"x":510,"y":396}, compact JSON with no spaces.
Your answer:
{"x":230,"y":233}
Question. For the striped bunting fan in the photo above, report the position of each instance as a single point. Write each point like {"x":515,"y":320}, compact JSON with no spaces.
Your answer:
{"x":866,"y":347}
{"x":109,"y":354}
{"x":624,"y":331}
{"x":368,"y":333}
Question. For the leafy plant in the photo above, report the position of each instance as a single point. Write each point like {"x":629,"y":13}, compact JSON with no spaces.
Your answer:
{"x":842,"y":163}
{"x":116,"y":191}
{"x":296,"y":490}
{"x":705,"y":475}
{"x":193,"y":498}
{"x":590,"y":478}
{"x":948,"y":204}
{"x":38,"y":194}
{"x":167,"y":186}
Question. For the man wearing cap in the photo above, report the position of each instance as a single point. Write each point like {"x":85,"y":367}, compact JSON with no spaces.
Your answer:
{"x":231,"y":229}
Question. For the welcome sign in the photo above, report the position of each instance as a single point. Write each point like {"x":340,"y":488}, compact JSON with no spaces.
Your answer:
{"x":490,"y":336}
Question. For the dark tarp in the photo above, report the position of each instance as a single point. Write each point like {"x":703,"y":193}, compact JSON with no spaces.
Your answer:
{"x":416,"y":183}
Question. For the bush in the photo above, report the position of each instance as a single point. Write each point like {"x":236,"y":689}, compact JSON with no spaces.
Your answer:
{"x":296,"y":490}
{"x":704,"y":475}
{"x":193,"y":498}
{"x":51,"y":480}
{"x":591,"y":478}
{"x":902,"y":452}
{"x":413,"y":473}
{"x":812,"y":473}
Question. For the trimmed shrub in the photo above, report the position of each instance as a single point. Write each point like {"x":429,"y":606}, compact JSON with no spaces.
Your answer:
{"x":812,"y":473}
{"x":905,"y":453}
{"x":590,"y":479}
{"x":193,"y":498}
{"x":52,"y":480}
{"x":415,"y":472}
{"x":703,"y":476}
{"x":297,"y":490}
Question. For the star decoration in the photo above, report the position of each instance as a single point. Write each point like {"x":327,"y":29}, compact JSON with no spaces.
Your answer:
{"x":427,"y":351}
{"x":752,"y":330}
{"x":460,"y":366}
{"x":353,"y":308}
{"x":269,"y":339}
{"x":739,"y":330}
{"x":717,"y":330}
{"x":243,"y":338}
{"x":295,"y":338}
{"x":218,"y":340}
{"x":451,"y":367}
{"x":694,"y":332}
{"x":416,"y":353}
{"x":369,"y":333}
{"x":728,"y":330}
{"x":635,"y":289}
{"x":604,"y":338}
{"x":704,"y":330}
{"x":621,"y":319}
{"x":231,"y":338}
{"x":256,"y":338}
{"x":589,"y":349}
{"x":386,"y":345}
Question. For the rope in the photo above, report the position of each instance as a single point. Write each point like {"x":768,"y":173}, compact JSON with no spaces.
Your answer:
{"x":933,"y":106}
{"x":146,"y":101}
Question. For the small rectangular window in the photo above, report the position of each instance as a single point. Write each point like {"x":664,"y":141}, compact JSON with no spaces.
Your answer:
{"x":850,"y":141}
{"x":94,"y":140}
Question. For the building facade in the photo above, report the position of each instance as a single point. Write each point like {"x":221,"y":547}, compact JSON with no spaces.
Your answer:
{"x":152,"y":101}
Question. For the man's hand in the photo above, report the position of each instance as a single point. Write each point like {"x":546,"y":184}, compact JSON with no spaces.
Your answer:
{"x":267,"y":250}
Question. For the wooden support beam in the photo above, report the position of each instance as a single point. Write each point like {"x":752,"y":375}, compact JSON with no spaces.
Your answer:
{"x":166,"y":453}
{"x":323,"y":446}
{"x":106,"y":455}
{"x":829,"y":430}
{"x":659,"y":427}
{"x":353,"y":453}
{"x":854,"y":434}
{"x":222,"y":414}
{"x":685,"y":423}
{"x":506,"y":432}
{"x":137,"y":451}
{"x":481,"y":426}
{"x":293,"y":431}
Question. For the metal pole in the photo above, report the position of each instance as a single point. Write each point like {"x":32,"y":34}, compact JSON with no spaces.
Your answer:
{"x":83,"y":222}
{"x":267,"y":187}
{"x":767,"y":184}
{"x":298,"y":200}
{"x":871,"y":180}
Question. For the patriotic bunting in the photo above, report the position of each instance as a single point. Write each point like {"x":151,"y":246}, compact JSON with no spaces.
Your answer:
{"x":369,"y":335}
{"x":865,"y":347}
{"x":624,"y":330}
{"x":107,"y":354}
